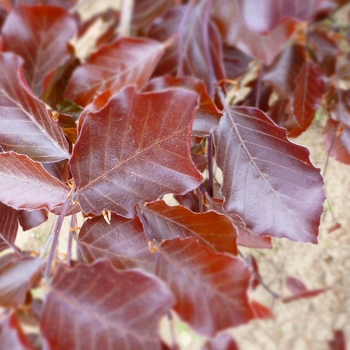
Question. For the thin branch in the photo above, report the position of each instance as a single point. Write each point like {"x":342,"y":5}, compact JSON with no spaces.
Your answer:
{"x":73,"y":223}
{"x":126,"y":16}
{"x":210,"y":166}
{"x":17,"y":251}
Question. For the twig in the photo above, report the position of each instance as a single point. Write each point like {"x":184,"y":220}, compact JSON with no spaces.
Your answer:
{"x":210,"y":166}
{"x":73,"y":223}
{"x":126,"y":16}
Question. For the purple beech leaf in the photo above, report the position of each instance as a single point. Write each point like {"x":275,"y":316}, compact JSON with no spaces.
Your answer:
{"x":222,"y":341}
{"x":338,"y":341}
{"x":213,"y":230}
{"x":8,"y":226}
{"x":17,"y":276}
{"x":31,"y":219}
{"x":11,"y":334}
{"x":100,"y":307}
{"x":210,"y":288}
{"x":135,"y":149}
{"x":267,"y":180}
{"x":25,"y":125}
{"x":61,"y":3}
{"x":32,"y":33}
{"x":125,"y":62}
{"x":310,"y":86}
{"x":207,"y":116}
{"x":25,"y":184}
{"x":123,"y":242}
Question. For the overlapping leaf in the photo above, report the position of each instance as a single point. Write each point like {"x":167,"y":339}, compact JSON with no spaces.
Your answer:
{"x":25,"y":125}
{"x":17,"y":276}
{"x":267,"y":180}
{"x":125,"y":62}
{"x":31,"y":219}
{"x":135,"y":149}
{"x":62,"y":3}
{"x":123,"y":242}
{"x":210,"y":288}
{"x":213,"y":229}
{"x":197,"y":48}
{"x":223,"y":341}
{"x":8,"y":226}
{"x":98,"y":306}
{"x":25,"y":184}
{"x":31,"y":32}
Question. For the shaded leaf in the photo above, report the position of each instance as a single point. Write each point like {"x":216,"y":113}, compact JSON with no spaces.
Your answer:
{"x":125,"y":62}
{"x":210,"y":288}
{"x":235,"y":61}
{"x":31,"y":219}
{"x":222,"y":341}
{"x":307,"y":97}
{"x":31,"y":32}
{"x":213,"y":230}
{"x":122,"y":242}
{"x":98,"y":306}
{"x":25,"y":125}
{"x":17,"y":276}
{"x":147,"y":154}
{"x":267,"y":180}
{"x":8,"y":226}
{"x":189,"y":200}
{"x":62,"y":3}
{"x":196,"y":49}
{"x":207,"y":116}
{"x":27,"y":185}
{"x":339,"y":340}
{"x":11,"y":334}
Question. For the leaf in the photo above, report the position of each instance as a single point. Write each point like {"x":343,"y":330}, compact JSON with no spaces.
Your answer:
{"x":196,"y":48}
{"x":207,"y":116}
{"x":27,"y":185}
{"x":223,"y":341}
{"x":230,"y":21}
{"x":61,"y":3}
{"x":261,"y":311}
{"x":236,"y":63}
{"x":25,"y":125}
{"x":210,"y":288}
{"x":31,"y":32}
{"x":307,"y":97}
{"x":11,"y":334}
{"x":339,"y":340}
{"x":97,"y":306}
{"x":17,"y":276}
{"x":125,"y":62}
{"x":146,"y":156}
{"x":8,"y":226}
{"x":213,"y":230}
{"x":267,"y":180}
{"x":31,"y":219}
{"x":123,"y":242}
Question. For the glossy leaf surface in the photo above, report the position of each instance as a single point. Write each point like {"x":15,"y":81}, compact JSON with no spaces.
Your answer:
{"x":122,"y":242}
{"x":213,"y":229}
{"x":147,"y":151}
{"x":268,"y":181}
{"x":125,"y":62}
{"x":8,"y":226}
{"x":210,"y":288}
{"x":31,"y":32}
{"x":98,"y":306}
{"x":25,"y":125}
{"x":27,"y":185}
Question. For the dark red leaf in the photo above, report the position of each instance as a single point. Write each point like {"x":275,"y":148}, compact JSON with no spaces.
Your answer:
{"x":62,"y":3}
{"x":16,"y":278}
{"x":32,"y":32}
{"x":256,"y":277}
{"x":339,"y":341}
{"x":123,"y":242}
{"x":11,"y":334}
{"x":267,"y":180}
{"x":147,"y":154}
{"x":97,"y":306}
{"x":125,"y":62}
{"x":196,"y":49}
{"x":279,"y":111}
{"x":230,"y":21}
{"x":8,"y":226}
{"x":31,"y":219}
{"x":261,"y":311}
{"x":264,"y":15}
{"x":235,"y":61}
{"x":213,"y":230}
{"x":310,"y":86}
{"x":210,"y":288}
{"x":25,"y":125}
{"x":27,"y":185}
{"x":223,"y":341}
{"x":207,"y":116}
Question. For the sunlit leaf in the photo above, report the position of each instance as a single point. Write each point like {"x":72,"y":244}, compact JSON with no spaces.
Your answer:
{"x":125,"y":62}
{"x":25,"y":125}
{"x":267,"y":180}
{"x":98,"y":306}
{"x":223,"y":341}
{"x":145,"y":156}
{"x":210,"y":288}
{"x":8,"y":226}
